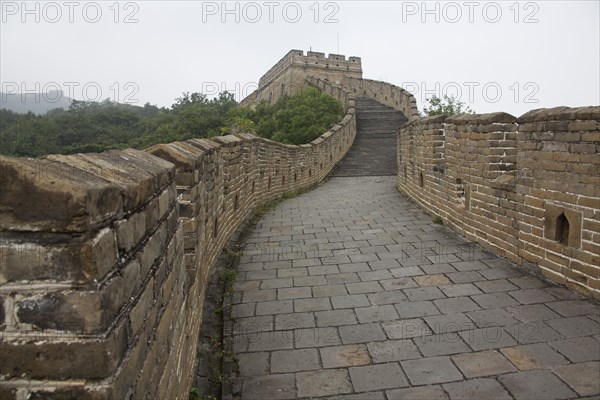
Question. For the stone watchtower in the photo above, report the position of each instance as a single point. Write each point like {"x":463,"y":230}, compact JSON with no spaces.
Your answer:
{"x":289,"y":75}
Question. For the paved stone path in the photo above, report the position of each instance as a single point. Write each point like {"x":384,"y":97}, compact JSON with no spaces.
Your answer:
{"x":350,"y":291}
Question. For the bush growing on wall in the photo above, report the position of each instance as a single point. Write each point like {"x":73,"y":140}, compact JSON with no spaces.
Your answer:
{"x":295,"y":119}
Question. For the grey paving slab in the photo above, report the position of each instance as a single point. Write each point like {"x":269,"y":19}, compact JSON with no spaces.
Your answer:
{"x":250,"y":296}
{"x":464,"y":277}
{"x":354,"y":267}
{"x":579,"y":378}
{"x":294,"y":321}
{"x":323,"y":270}
{"x":345,"y":356}
{"x":427,"y":371}
{"x":533,"y":312}
{"x":441,"y":345}
{"x":487,"y":338}
{"x":417,"y":309}
{"x":253,"y":324}
{"x":375,"y":377}
{"x":528,"y":282}
{"x":469,"y":265}
{"x":533,"y":332}
{"x":316,"y":337}
{"x":493,"y":317}
{"x":438,"y":268}
{"x":393,"y":350}
{"x":423,"y":293}
{"x":294,"y":360}
{"x":574,"y":326}
{"x":363,"y":287}
{"x":432,"y":392}
{"x":361,"y":396}
{"x":350,"y":301}
{"x":536,"y":384}
{"x":310,"y":280}
{"x":242,"y":310}
{"x":494,"y":300}
{"x":460,"y":289}
{"x":294,"y":293}
{"x":534,"y":356}
{"x":570,"y":308}
{"x":329,"y":290}
{"x":291,"y":272}
{"x":266,"y":341}
{"x":398,"y":283}
{"x":496,"y":285}
{"x":280,"y":386}
{"x":456,"y":305}
{"x":319,"y":304}
{"x":445,"y":323}
{"x":483,"y":363}
{"x":261,"y":274}
{"x":336,"y":317}
{"x":376,"y":314}
{"x":406,"y":328}
{"x":247,"y":285}
{"x":362,"y":333}
{"x":387,"y":297}
{"x":367,"y":298}
{"x":579,"y":349}
{"x":532,"y":296}
{"x":341,"y":278}
{"x":405,"y":272}
{"x":375,"y":275}
{"x":323,"y":383}
{"x":276,"y":283}
{"x":563,"y":294}
{"x":483,"y":388}
{"x":499,"y":273}
{"x":274,"y":307}
{"x":252,"y":364}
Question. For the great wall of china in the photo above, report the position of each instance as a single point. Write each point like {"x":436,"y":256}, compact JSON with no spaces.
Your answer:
{"x":105,"y":257}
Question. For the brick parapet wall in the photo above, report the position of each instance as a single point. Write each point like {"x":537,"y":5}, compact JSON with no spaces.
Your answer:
{"x":527,"y":188}
{"x":289,"y":75}
{"x":383,"y":92}
{"x":315,"y":61}
{"x":105,"y":257}
{"x":295,"y":71}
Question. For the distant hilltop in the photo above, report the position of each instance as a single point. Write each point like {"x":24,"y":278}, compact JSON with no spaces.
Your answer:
{"x":37,"y":103}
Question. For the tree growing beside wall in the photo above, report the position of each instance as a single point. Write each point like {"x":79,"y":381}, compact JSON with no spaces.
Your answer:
{"x":296,"y":119}
{"x":98,"y":126}
{"x":447,"y":105}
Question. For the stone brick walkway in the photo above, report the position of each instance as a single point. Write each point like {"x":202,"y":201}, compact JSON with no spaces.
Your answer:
{"x":350,"y":291}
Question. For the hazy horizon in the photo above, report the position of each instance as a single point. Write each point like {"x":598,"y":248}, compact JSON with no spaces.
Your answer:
{"x":493,"y":56}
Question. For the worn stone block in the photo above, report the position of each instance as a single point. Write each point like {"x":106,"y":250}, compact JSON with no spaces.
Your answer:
{"x":376,"y":377}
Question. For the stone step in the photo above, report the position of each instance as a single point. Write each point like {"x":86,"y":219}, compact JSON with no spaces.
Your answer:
{"x":374,"y":150}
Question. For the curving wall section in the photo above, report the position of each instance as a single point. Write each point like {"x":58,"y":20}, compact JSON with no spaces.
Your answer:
{"x":105,"y":257}
{"x":385,"y":93}
{"x":526,"y":188}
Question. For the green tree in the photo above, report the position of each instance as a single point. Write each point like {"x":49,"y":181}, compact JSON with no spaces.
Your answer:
{"x":294,"y":119}
{"x":98,"y":126}
{"x":448,"y":105}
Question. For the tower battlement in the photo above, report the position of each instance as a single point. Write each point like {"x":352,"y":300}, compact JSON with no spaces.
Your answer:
{"x":333,"y":66}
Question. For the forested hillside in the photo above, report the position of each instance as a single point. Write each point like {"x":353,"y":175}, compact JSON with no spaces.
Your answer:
{"x":98,"y":126}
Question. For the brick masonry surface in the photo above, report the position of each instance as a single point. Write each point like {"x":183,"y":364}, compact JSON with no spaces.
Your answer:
{"x":105,"y":258}
{"x":351,"y":291}
{"x":526,"y":188}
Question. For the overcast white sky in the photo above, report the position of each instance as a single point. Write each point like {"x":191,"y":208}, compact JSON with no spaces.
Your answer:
{"x":496,"y":56}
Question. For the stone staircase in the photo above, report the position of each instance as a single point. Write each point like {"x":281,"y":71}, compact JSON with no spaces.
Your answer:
{"x":374,"y":150}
